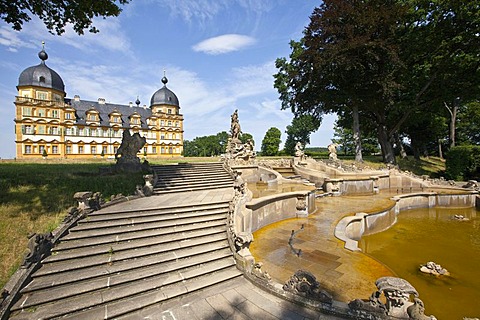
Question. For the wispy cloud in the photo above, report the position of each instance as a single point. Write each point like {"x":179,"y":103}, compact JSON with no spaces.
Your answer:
{"x":111,"y":36}
{"x":224,"y":44}
{"x":11,"y":39}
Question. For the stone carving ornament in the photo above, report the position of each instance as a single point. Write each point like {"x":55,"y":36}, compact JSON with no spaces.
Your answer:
{"x":397,"y":295}
{"x":304,"y":283}
{"x":39,"y":245}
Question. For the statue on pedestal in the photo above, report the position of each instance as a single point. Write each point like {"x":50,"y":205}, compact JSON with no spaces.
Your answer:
{"x":126,"y":154}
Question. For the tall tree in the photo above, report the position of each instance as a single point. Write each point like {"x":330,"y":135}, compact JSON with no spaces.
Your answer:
{"x":56,"y":14}
{"x":392,"y":59}
{"x":300,"y":131}
{"x":271,"y":142}
{"x":347,"y":59}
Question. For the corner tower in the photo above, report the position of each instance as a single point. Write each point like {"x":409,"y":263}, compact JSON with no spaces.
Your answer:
{"x":39,"y":106}
{"x":166,"y":110}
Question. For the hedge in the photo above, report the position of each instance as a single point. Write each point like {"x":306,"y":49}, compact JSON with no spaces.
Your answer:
{"x":463,"y":163}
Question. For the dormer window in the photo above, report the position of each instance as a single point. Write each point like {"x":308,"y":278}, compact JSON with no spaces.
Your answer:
{"x":169,"y":111}
{"x":41,"y":79}
{"x":92,"y":117}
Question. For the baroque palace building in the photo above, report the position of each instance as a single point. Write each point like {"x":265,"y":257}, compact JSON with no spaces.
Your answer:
{"x":45,"y":120}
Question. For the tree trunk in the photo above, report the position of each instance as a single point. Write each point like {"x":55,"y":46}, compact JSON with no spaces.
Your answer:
{"x":440,"y":153}
{"x":384,"y":140}
{"x":356,"y":135}
{"x":453,"y":120}
{"x":415,"y":149}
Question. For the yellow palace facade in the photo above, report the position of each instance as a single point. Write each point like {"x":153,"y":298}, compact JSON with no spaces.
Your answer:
{"x":48,"y":123}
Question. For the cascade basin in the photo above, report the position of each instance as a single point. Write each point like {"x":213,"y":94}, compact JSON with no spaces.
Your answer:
{"x":423,"y":235}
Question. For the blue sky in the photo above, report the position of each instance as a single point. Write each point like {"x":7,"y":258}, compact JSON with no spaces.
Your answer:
{"x":218,"y":56}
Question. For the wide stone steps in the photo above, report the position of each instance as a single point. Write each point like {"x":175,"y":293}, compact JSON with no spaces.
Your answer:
{"x":113,"y":248}
{"x":128,"y":233}
{"x":153,"y":252}
{"x":57,"y":292}
{"x":56,"y":277}
{"x":117,"y":261}
{"x":194,"y":209}
{"x":191,"y":177}
{"x":132,"y":220}
{"x":118,"y":299}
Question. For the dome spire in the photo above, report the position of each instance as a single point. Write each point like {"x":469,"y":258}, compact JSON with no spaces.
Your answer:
{"x":42,"y":54}
{"x":164,"y":79}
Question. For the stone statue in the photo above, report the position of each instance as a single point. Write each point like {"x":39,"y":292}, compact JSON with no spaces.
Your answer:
{"x":299,"y":152}
{"x":126,"y":154}
{"x":417,"y":311}
{"x":235,"y":129}
{"x":398,"y":303}
{"x":305,"y":284}
{"x":332,"y":149}
{"x":130,"y":146}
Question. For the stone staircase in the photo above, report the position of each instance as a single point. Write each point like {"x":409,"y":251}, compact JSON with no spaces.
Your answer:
{"x":190,"y":177}
{"x":286,"y":172}
{"x":117,"y":262}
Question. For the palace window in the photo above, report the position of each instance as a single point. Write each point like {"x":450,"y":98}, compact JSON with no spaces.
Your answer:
{"x":104,"y":149}
{"x":162,"y":136}
{"x":28,"y":149}
{"x":154,"y":150}
{"x":162,"y":150}
{"x":55,"y":149}
{"x":176,"y":123}
{"x":42,"y":95}
{"x":27,"y":111}
{"x":169,"y":123}
{"x":68,"y":115}
{"x":170,"y":150}
{"x":69,"y":131}
{"x":41,"y":129}
{"x":169,"y":111}
{"x":69,"y":149}
{"x":80,"y":132}
{"x":41,"y":113}
{"x":94,"y":149}
{"x":92,"y":117}
{"x":27,"y":129}
{"x":115,"y":149}
{"x":41,"y":149}
{"x":80,"y":149}
{"x":53,"y":130}
{"x":54,"y":113}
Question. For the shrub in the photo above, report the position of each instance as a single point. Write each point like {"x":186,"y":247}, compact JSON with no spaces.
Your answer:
{"x":463,"y":163}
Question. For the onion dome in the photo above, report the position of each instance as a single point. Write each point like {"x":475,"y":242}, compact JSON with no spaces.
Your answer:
{"x":164,"y":96}
{"x":41,"y":76}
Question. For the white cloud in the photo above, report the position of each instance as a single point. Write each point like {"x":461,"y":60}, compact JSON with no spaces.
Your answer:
{"x":224,"y":44}
{"x":189,"y":10}
{"x":111,"y":36}
{"x":11,"y":39}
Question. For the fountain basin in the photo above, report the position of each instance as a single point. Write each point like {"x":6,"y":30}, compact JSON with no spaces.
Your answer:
{"x":351,"y":229}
